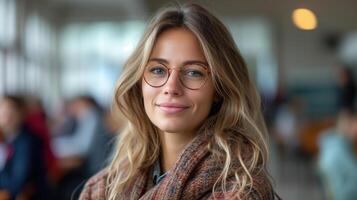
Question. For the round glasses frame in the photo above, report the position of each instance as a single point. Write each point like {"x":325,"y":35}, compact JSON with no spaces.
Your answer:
{"x":182,"y":82}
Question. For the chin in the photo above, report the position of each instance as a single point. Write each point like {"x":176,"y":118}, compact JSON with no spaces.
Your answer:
{"x":173,"y":127}
{"x":170,"y":129}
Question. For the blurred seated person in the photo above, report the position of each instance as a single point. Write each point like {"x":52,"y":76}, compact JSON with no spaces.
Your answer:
{"x":62,"y":122}
{"x":36,"y":121}
{"x":337,"y":160}
{"x":23,"y":175}
{"x":72,"y":147}
{"x":287,"y":126}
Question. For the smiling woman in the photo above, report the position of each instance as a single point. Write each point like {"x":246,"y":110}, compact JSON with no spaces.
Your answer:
{"x":183,"y":99}
{"x":194,"y":123}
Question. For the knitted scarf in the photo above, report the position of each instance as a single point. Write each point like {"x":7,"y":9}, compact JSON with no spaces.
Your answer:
{"x":192,"y":177}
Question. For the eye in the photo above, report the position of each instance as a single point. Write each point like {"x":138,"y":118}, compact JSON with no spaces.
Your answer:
{"x":193,"y":73}
{"x":157,"y":70}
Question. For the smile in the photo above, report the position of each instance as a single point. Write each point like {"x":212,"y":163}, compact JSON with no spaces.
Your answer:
{"x":171,"y":108}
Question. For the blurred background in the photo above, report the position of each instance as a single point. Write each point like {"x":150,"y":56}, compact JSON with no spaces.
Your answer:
{"x":60,"y":59}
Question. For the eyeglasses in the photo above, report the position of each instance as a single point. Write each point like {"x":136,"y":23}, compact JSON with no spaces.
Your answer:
{"x":192,"y":76}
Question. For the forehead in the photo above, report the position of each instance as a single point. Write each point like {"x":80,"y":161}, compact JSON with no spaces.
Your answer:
{"x":177,"y":45}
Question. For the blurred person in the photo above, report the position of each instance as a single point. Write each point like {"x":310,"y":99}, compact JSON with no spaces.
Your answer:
{"x":103,"y":131}
{"x":194,"y":124}
{"x":73,"y":148}
{"x":24,"y":175}
{"x":337,"y":160}
{"x":36,"y":120}
{"x":287,"y":125}
{"x":62,"y":121}
{"x":75,"y":144}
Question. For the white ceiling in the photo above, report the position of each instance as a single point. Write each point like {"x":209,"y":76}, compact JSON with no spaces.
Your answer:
{"x":338,"y":15}
{"x":98,"y":9}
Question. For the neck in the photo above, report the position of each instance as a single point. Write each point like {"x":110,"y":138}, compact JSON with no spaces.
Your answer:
{"x":172,"y":144}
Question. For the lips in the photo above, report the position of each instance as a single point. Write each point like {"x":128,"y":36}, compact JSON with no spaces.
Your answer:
{"x":172,"y":108}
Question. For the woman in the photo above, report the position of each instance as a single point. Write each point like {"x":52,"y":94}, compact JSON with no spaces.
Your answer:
{"x":194,"y":126}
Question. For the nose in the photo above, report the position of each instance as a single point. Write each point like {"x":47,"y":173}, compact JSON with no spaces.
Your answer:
{"x":173,"y":85}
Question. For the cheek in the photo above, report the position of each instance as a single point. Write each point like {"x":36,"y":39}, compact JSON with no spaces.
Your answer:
{"x":149,"y":94}
{"x":204,"y":101}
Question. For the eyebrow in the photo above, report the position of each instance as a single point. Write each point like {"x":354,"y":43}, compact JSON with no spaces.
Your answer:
{"x":188,"y":62}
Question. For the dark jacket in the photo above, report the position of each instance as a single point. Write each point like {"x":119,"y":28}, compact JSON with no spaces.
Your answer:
{"x":24,"y":168}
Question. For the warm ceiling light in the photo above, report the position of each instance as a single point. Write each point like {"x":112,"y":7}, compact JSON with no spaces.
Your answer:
{"x":304,"y":19}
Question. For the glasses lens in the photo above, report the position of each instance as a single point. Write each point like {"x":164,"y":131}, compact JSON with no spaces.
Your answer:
{"x":193,"y":76}
{"x":156,"y":75}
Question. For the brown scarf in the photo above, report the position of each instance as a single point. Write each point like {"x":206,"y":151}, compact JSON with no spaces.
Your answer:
{"x":192,"y":177}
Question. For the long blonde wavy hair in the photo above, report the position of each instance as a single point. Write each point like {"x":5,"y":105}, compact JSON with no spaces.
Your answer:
{"x":238,"y":108}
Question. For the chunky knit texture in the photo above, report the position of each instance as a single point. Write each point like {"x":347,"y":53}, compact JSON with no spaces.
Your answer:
{"x":192,"y":177}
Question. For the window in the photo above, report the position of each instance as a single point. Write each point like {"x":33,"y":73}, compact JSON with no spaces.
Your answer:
{"x":254,"y":37}
{"x":7,"y":22}
{"x":2,"y":73}
{"x":93,"y":55}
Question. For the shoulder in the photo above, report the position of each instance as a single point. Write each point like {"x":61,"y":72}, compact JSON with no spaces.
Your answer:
{"x":95,"y":187}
